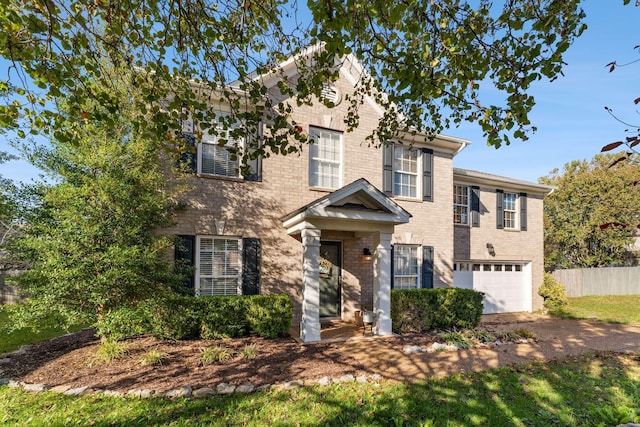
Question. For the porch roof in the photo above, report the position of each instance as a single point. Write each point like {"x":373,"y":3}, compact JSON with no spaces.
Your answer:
{"x":358,"y":206}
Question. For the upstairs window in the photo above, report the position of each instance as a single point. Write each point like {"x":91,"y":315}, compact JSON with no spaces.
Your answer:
{"x":461,"y":201}
{"x":213,"y":156}
{"x":325,"y":159}
{"x":405,"y":172}
{"x":510,"y":211}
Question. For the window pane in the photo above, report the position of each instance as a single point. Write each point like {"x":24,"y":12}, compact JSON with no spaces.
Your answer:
{"x":460,"y":204}
{"x":325,"y":159}
{"x":405,"y":172}
{"x":406,"y":267}
{"x":219,"y":262}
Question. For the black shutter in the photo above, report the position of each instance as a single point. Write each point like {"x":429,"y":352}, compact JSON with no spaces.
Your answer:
{"x":189,"y":156}
{"x":387,"y":169}
{"x":475,"y":206}
{"x":427,"y":267}
{"x":250,"y":266}
{"x":427,"y":175}
{"x":499,"y":209}
{"x":255,"y":165}
{"x":523,"y":211}
{"x":185,"y":259}
{"x":392,"y":263}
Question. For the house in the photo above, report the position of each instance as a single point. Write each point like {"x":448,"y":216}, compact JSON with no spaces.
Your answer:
{"x":341,"y":224}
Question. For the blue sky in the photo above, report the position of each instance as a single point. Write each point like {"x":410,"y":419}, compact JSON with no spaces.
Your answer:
{"x":569,"y":113}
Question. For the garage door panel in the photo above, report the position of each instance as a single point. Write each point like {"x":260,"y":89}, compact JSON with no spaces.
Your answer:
{"x":505,"y":291}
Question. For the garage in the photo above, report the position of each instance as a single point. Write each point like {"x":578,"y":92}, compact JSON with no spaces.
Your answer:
{"x":506,"y":285}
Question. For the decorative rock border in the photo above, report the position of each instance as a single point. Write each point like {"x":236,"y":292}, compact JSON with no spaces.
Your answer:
{"x":186,"y":391}
{"x":437,"y":346}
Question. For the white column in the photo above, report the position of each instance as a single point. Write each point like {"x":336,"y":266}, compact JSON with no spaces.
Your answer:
{"x":310,"y":325}
{"x":382,"y":284}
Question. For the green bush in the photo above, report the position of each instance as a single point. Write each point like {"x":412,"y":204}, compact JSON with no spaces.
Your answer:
{"x":123,"y":322}
{"x":174,"y":318}
{"x":553,"y":293}
{"x":269,"y":316}
{"x":420,"y":310}
{"x":224,"y":317}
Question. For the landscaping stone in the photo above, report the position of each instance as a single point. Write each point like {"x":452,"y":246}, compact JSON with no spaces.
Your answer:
{"x":144,"y":393}
{"x":325,"y":381}
{"x":375,"y":377}
{"x":112,"y":393}
{"x":15,"y":384}
{"x":345,"y":379}
{"x":4,"y":381}
{"x":184,"y":391}
{"x":245,"y":388}
{"x":264,"y":387}
{"x":409,"y":349}
{"x":361,"y":379}
{"x":60,"y":388}
{"x":224,"y":388}
{"x":203,"y":392}
{"x":76,"y":391}
{"x":35,"y":387}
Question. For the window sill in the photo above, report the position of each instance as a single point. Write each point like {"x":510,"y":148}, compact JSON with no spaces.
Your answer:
{"x":456,"y":224}
{"x":322,"y":189}
{"x":221,"y":177}
{"x":512,"y":230}
{"x":408,"y":199}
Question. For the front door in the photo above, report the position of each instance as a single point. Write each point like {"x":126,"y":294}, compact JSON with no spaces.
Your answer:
{"x":330,"y":272}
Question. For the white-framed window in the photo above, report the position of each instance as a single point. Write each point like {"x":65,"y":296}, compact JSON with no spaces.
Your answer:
{"x":461,"y":202}
{"x":510,"y":211}
{"x":405,"y":172}
{"x":325,"y":158}
{"x":213,"y":156}
{"x":406,"y":267}
{"x":218,"y":268}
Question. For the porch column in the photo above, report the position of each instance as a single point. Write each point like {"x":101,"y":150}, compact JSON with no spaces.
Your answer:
{"x":382,"y":284}
{"x":310,"y":324}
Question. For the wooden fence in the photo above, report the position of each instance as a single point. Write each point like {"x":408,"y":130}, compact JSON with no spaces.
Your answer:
{"x":600,"y":281}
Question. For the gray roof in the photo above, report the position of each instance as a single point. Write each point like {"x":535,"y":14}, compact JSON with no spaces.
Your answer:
{"x":490,"y":179}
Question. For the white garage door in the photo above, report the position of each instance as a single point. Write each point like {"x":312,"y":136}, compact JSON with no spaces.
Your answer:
{"x":507,"y":286}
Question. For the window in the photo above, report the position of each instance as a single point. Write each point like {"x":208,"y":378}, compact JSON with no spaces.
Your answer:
{"x":325,"y":159}
{"x":406,"y":267}
{"x":214,"y":158}
{"x":405,"y":172}
{"x":510,"y":212}
{"x":218,"y":266}
{"x":460,"y":204}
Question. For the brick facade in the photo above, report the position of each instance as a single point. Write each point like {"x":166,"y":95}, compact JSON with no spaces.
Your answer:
{"x":256,"y":209}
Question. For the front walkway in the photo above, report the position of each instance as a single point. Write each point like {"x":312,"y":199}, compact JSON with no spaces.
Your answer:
{"x":557,"y":338}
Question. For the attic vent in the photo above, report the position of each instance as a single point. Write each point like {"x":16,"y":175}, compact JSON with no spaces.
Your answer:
{"x":330,"y":93}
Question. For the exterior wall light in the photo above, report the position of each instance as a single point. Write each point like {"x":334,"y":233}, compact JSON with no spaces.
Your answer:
{"x":366,"y":255}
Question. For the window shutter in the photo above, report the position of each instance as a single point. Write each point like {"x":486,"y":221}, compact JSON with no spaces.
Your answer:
{"x":499,"y":209}
{"x":387,"y":169}
{"x":189,"y":155}
{"x":185,"y":249}
{"x":250,"y":266}
{"x":393,"y":260}
{"x":427,"y":267}
{"x":254,"y":142}
{"x":427,"y":175}
{"x":523,"y":211}
{"x":475,"y":206}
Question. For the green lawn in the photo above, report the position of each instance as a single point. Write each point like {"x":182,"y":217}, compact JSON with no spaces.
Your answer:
{"x":610,"y":308}
{"x":10,"y":341}
{"x":588,"y":391}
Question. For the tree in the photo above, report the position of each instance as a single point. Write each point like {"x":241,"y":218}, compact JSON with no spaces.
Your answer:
{"x":427,"y":61}
{"x":588,"y":195}
{"x":93,"y":241}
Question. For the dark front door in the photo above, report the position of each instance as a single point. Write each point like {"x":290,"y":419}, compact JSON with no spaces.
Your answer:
{"x":330,"y":272}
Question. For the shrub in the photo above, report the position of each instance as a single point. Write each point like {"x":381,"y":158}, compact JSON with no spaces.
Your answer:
{"x":249,"y":351}
{"x":269,"y":316}
{"x":419,"y":310}
{"x":123,"y":322}
{"x":553,"y":293}
{"x":217,"y":354}
{"x":224,"y":317}
{"x":460,"y":339}
{"x":174,"y":318}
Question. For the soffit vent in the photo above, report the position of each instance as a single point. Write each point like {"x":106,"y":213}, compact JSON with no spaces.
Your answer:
{"x":331,"y":93}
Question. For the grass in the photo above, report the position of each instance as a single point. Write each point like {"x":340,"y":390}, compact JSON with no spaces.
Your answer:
{"x":216,"y":354}
{"x":589,"y":390}
{"x":609,"y":308}
{"x":13,"y":340}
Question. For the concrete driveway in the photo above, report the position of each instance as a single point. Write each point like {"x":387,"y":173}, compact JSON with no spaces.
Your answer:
{"x":557,"y":338}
